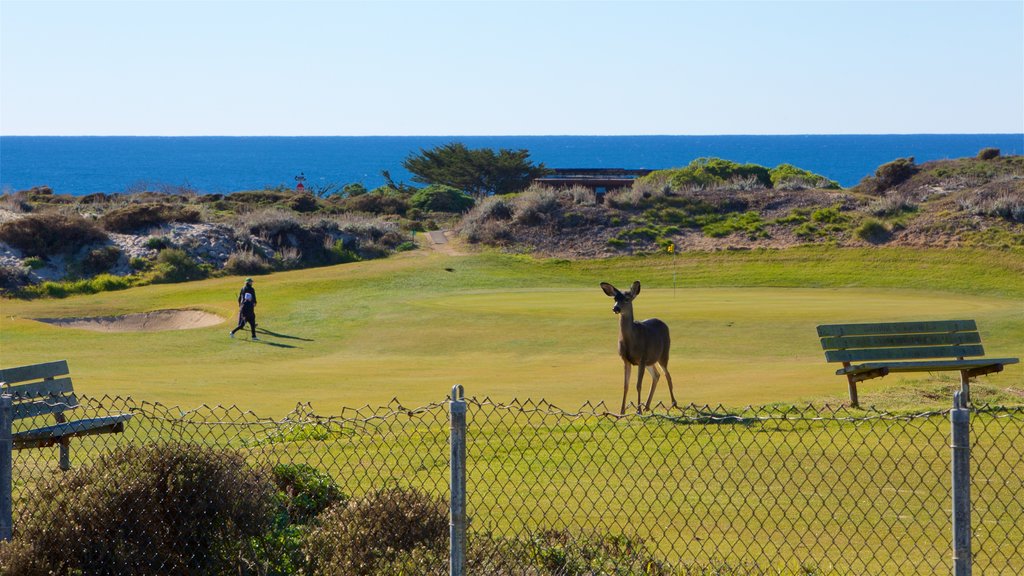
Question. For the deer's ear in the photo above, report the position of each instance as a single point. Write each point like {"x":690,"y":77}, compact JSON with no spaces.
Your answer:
{"x":635,"y":289}
{"x":608,"y":289}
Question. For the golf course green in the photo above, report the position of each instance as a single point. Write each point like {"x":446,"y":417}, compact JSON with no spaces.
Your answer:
{"x":410,"y":326}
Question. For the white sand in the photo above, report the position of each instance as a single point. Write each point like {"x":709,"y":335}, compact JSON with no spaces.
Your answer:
{"x":156,"y":321}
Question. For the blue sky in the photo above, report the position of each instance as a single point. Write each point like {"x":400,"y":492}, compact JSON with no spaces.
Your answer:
{"x":496,"y":68}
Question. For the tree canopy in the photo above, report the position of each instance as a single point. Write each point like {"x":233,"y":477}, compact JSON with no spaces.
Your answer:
{"x":479,"y":172}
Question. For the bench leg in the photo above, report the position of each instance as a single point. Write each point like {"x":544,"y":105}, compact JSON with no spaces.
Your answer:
{"x":853,"y":392}
{"x":965,"y":387}
{"x":65,"y":455}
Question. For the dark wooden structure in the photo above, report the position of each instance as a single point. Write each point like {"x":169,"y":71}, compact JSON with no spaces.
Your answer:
{"x":600,"y":180}
{"x":889,"y":347}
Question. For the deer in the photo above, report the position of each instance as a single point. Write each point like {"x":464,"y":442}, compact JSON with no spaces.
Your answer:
{"x":642,"y":344}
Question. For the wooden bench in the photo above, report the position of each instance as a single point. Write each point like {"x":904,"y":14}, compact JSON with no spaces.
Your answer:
{"x":38,"y":390}
{"x":875,"y":350}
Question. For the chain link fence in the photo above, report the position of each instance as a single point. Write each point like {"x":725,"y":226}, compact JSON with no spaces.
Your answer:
{"x":700,"y":490}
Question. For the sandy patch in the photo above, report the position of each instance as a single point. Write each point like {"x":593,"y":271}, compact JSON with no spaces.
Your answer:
{"x":156,"y":321}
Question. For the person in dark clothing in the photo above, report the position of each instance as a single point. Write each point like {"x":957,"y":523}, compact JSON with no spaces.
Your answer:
{"x":247,"y":289}
{"x":246,"y":313}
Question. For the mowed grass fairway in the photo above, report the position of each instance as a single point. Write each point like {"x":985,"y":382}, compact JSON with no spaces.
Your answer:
{"x":411,"y":326}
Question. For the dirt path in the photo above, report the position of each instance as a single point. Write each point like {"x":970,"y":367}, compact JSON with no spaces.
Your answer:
{"x":444,"y":241}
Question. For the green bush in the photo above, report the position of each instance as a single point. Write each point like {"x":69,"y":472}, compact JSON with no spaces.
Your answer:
{"x":873,"y":231}
{"x":49,"y":233}
{"x":157,"y":509}
{"x":830,"y":215}
{"x":157,"y":243}
{"x":441,"y":198}
{"x":136,"y":217}
{"x":175,"y":265}
{"x":306,"y":491}
{"x":749,"y":223}
{"x":709,"y":173}
{"x":358,"y":537}
{"x":988,"y":153}
{"x":35,"y":263}
{"x":789,"y":177}
{"x":63,"y":289}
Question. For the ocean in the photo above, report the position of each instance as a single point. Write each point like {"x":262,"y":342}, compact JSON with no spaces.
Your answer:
{"x":80,"y":165}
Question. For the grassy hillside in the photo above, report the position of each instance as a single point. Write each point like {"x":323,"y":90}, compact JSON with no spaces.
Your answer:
{"x":410,"y":326}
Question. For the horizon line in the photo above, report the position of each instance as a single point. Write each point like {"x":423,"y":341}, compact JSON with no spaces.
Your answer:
{"x":504,"y":135}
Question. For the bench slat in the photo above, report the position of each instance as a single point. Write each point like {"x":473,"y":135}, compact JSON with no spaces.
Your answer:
{"x":897,"y":328}
{"x":34,"y":372}
{"x":47,"y":405}
{"x":50,"y":435}
{"x":915,"y":353}
{"x":897,"y":340}
{"x":927,"y":366}
{"x":22,"y":392}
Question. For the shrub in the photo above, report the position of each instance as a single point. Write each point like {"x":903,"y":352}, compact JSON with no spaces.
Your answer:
{"x":789,"y":177}
{"x":35,"y":263}
{"x":13,"y":278}
{"x":100,"y":260}
{"x":175,"y":265}
{"x":441,"y":198}
{"x":534,"y":205}
{"x":50,"y":233}
{"x":144,"y":216}
{"x":709,"y":173}
{"x":749,"y":223}
{"x":988,"y":153}
{"x":890,"y":175}
{"x":383,"y":200}
{"x":157,"y":509}
{"x":303,"y":202}
{"x":246,"y":263}
{"x":306,"y":491}
{"x":157,"y":243}
{"x":830,"y":215}
{"x":873,"y":231}
{"x":356,"y":537}
{"x":892,"y":205}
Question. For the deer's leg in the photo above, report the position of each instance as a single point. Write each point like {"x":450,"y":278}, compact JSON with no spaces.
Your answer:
{"x":625,"y":386}
{"x":668,"y":378}
{"x":653,"y":371}
{"x":639,"y":386}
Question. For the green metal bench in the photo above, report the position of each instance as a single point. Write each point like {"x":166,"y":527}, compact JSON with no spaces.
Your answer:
{"x":875,"y":350}
{"x":39,"y":390}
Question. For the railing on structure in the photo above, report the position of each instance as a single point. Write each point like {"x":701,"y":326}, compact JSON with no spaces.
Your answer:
{"x":681,"y":491}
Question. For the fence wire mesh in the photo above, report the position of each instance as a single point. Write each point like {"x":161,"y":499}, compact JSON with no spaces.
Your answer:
{"x":700,"y":490}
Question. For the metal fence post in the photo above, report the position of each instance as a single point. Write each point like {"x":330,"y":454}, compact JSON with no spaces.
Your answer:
{"x":457,"y":550}
{"x":6,"y":467}
{"x":960,"y":419}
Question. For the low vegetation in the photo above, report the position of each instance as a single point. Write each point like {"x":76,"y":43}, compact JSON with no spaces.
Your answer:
{"x":168,"y":508}
{"x":61,"y":245}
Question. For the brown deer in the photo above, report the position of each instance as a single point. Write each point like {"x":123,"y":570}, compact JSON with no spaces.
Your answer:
{"x":641,"y":344}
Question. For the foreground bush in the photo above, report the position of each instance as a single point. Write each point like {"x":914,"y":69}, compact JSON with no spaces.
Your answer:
{"x":50,"y":233}
{"x":170,"y":509}
{"x":362,"y":536}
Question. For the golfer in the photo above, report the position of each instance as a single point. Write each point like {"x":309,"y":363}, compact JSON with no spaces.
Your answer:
{"x":246,"y":313}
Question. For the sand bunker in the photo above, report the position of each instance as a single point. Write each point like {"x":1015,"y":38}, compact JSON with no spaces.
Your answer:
{"x":156,"y":321}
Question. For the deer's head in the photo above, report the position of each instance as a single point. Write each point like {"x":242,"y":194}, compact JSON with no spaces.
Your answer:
{"x":623,"y":300}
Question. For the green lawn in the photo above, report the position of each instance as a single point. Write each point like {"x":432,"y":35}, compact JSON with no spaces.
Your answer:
{"x":411,"y":326}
